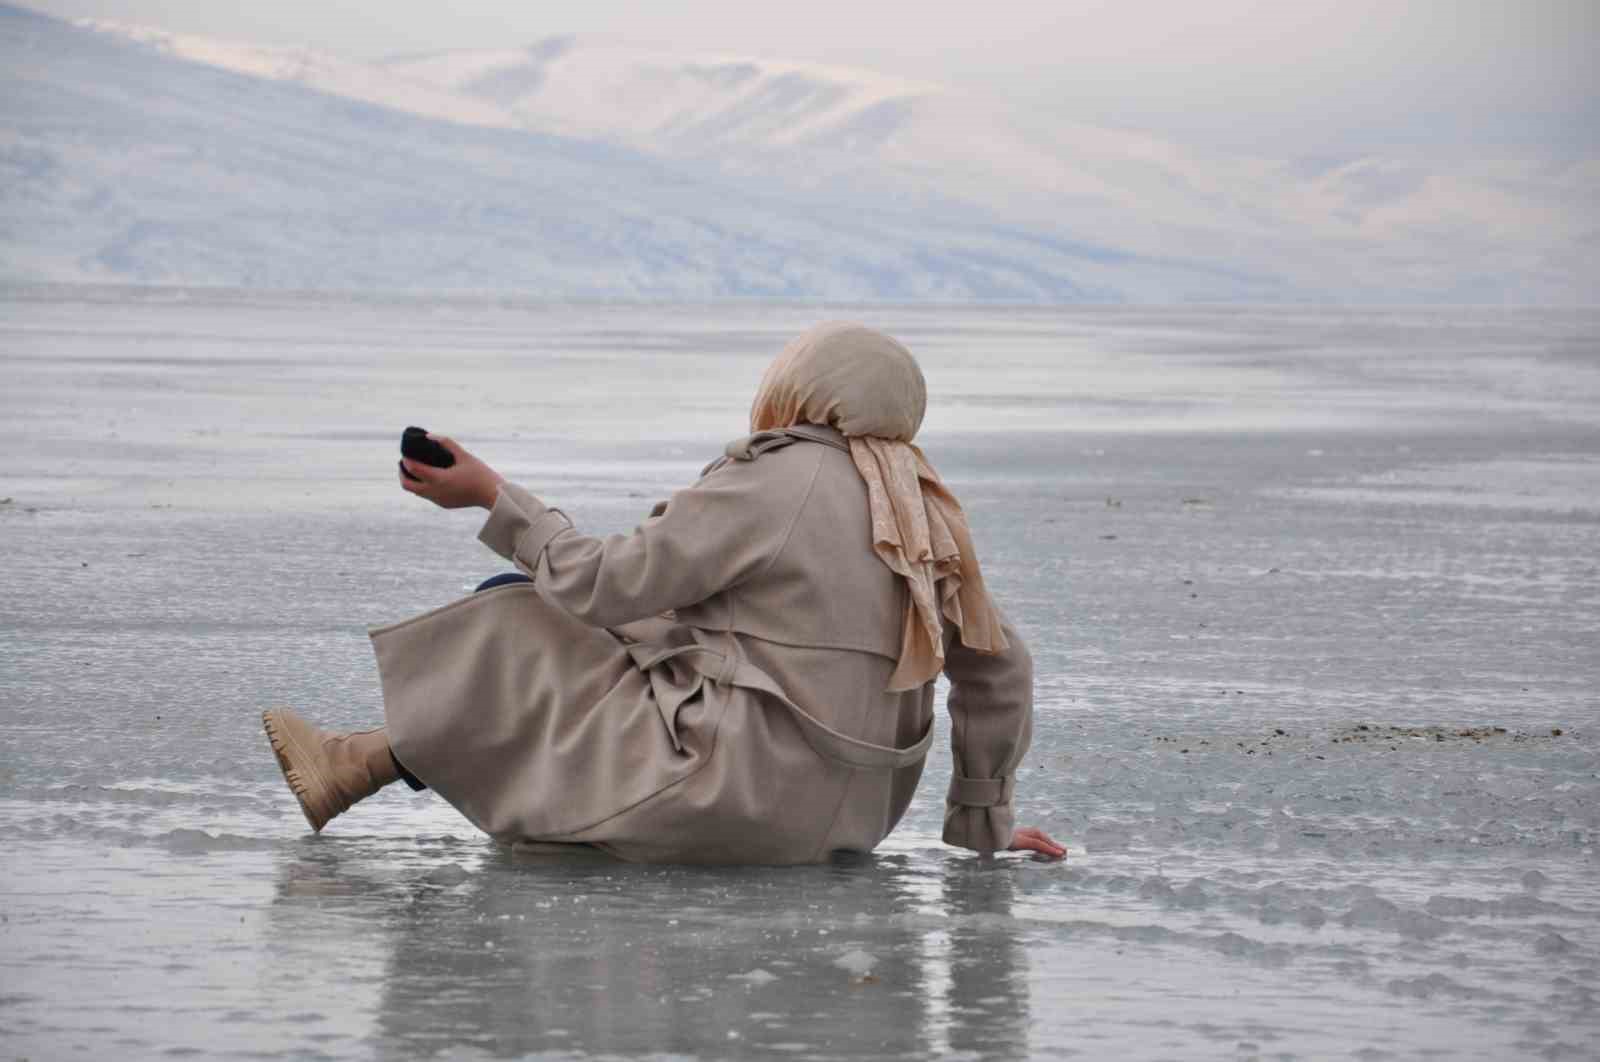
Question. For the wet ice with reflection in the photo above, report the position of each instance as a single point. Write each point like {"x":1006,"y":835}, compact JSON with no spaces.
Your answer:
{"x":1267,"y":695}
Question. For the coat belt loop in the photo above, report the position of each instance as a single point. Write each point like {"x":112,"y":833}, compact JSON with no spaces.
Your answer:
{"x":732,"y":657}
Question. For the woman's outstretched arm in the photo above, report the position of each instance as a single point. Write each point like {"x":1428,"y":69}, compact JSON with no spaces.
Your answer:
{"x":706,"y":538}
{"x":991,"y":725}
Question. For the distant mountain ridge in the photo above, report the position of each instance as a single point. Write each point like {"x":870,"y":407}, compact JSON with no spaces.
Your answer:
{"x":704,"y":175}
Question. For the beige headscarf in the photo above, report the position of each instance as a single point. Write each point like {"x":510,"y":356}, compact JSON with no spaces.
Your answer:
{"x":868,"y":386}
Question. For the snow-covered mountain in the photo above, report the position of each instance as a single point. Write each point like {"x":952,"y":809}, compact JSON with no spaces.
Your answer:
{"x":119,"y":161}
{"x":703,"y":175}
{"x":1338,"y":226}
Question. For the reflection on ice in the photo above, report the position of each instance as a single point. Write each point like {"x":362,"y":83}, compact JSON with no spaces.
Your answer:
{"x":526,"y":957}
{"x":1322,"y":744}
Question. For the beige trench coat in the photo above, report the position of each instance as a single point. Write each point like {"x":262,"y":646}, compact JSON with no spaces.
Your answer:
{"x":749,"y":724}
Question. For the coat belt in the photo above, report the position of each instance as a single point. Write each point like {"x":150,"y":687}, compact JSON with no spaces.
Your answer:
{"x":730,"y":669}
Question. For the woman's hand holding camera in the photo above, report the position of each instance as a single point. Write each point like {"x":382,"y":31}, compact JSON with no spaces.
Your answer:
{"x":469,"y":482}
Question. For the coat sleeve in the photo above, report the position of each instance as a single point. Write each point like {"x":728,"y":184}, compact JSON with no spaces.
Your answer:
{"x":706,"y":538}
{"x":991,"y":717}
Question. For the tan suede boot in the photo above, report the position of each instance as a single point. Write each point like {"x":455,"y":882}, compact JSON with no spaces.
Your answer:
{"x":328,"y":771}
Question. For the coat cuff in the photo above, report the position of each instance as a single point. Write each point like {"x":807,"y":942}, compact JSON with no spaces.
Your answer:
{"x":520,"y":526}
{"x":979,"y":815}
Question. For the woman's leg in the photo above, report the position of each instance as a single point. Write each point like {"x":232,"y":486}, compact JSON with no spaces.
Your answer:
{"x":503,"y":579}
{"x":328,"y":771}
{"x":415,"y":784}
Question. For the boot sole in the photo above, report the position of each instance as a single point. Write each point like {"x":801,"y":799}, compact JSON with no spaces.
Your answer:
{"x":298,"y":767}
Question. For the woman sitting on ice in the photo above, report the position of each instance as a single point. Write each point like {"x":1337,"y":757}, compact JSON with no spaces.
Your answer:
{"x":748,"y":677}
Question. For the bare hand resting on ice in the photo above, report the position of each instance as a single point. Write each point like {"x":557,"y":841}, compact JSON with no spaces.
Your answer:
{"x":467,"y":483}
{"x":1033,"y":839}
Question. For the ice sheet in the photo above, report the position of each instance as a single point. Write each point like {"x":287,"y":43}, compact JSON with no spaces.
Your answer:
{"x":1321,"y":739}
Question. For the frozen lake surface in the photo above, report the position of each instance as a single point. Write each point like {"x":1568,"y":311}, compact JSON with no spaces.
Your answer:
{"x":1314,"y":597}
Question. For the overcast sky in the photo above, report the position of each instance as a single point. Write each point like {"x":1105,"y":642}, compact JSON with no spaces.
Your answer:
{"x":1477,"y":77}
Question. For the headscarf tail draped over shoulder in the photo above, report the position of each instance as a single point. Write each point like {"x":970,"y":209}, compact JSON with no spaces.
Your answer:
{"x":869,"y":387}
